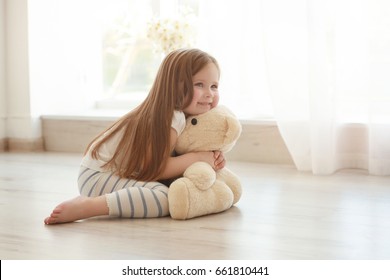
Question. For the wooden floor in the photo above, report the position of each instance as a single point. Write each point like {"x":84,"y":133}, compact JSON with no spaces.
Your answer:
{"x":283,"y":214}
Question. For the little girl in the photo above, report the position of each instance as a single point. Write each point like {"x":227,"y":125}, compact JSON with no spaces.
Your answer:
{"x":122,"y":171}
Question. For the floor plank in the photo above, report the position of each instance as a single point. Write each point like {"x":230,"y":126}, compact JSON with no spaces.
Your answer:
{"x":283,"y":214}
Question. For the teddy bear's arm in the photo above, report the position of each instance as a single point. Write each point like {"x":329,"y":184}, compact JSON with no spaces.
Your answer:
{"x":176,"y":165}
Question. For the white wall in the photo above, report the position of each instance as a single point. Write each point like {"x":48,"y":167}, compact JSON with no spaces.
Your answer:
{"x":27,"y":43}
{"x":21,"y":124}
{"x":3,"y":112}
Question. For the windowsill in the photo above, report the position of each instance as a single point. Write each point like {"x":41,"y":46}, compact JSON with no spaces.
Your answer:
{"x":114,"y":114}
{"x":94,"y":114}
{"x":260,"y":140}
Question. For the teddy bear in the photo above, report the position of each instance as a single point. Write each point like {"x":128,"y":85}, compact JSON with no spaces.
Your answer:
{"x":202,"y":190}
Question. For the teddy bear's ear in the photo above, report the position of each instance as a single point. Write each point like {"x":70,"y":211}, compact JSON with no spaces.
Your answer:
{"x":233,"y":133}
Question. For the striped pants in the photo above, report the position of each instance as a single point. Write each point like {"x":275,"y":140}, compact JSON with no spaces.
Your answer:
{"x":125,"y":197}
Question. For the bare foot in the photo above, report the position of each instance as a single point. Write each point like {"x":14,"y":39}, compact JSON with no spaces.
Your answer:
{"x":80,"y":207}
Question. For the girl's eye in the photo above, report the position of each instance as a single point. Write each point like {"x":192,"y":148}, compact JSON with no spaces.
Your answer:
{"x":199,"y":85}
{"x":214,"y":86}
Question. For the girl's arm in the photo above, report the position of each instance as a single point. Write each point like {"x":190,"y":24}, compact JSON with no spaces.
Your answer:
{"x":177,"y":165}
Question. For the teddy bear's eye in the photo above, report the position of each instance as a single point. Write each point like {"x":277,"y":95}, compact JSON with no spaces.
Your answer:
{"x":194,"y":121}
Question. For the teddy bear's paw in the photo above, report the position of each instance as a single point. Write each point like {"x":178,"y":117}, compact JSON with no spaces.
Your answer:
{"x":186,"y":201}
{"x":179,"y":198}
{"x":232,"y":181}
{"x":216,"y":199}
{"x":223,"y":197}
{"x":201,"y":174}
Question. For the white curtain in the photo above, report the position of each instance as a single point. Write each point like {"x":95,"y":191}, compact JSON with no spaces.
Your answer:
{"x":328,"y":68}
{"x":324,"y":63}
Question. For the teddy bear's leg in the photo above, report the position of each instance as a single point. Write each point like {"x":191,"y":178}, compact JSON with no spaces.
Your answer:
{"x":186,"y":201}
{"x":231,"y":181}
{"x":201,"y":174}
{"x":179,"y":198}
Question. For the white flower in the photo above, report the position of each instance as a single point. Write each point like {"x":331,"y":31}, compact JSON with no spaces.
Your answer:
{"x":169,"y":34}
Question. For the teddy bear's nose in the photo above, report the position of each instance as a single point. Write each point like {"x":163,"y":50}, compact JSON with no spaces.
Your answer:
{"x":194,"y":121}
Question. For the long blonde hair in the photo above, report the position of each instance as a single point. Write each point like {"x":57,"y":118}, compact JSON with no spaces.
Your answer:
{"x":143,"y":151}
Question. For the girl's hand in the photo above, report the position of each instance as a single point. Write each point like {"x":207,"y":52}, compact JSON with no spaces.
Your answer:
{"x":207,"y":157}
{"x":216,"y":159}
{"x":220,"y":161}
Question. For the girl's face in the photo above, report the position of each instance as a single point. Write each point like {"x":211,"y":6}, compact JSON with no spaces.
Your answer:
{"x":206,"y":95}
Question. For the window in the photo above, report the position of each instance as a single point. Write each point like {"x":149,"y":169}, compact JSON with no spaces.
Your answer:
{"x":86,"y":54}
